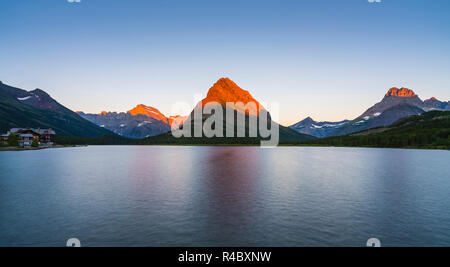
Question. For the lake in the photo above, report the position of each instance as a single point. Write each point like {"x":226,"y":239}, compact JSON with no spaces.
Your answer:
{"x":224,"y":196}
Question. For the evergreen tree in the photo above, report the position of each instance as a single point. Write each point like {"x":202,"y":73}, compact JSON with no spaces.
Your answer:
{"x":35,"y":143}
{"x":13,"y":140}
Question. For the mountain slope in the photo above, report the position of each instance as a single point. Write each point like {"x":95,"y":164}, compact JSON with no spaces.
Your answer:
{"x":384,"y":117}
{"x":428,"y":130}
{"x":20,"y":108}
{"x":397,"y":103}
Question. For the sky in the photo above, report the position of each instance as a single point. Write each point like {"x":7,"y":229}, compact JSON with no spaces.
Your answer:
{"x":327,"y":59}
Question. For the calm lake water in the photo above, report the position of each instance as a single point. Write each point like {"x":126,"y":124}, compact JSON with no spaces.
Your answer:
{"x":224,"y":196}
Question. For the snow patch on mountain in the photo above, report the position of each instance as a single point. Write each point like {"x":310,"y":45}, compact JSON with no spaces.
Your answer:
{"x":23,"y":98}
{"x":143,"y":123}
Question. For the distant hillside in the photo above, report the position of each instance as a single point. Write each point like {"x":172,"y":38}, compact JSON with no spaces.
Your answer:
{"x":429,"y":130}
{"x":20,"y":108}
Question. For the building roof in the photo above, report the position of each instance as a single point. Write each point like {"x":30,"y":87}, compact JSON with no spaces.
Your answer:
{"x":15,"y":130}
{"x":38,"y":131}
{"x":26,"y":135}
{"x":44,"y":131}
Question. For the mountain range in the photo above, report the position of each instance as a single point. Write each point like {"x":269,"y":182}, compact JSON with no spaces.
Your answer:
{"x":21,"y":108}
{"x":34,"y":109}
{"x":145,"y":121}
{"x":430,"y":130}
{"x":222,"y":92}
{"x":139,"y":122}
{"x":396,"y":104}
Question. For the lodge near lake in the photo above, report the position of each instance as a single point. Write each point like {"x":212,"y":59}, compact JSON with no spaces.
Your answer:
{"x":26,"y":136}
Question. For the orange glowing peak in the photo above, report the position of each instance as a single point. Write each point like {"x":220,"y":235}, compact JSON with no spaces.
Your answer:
{"x":402,"y":92}
{"x":432,"y":99}
{"x":225,"y":90}
{"x":149,"y":112}
{"x":102,"y":113}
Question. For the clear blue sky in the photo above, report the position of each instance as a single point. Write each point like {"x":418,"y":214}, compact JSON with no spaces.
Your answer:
{"x":324,"y":58}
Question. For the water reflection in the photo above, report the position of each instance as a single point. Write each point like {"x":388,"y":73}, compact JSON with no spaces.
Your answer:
{"x":229,"y":186}
{"x":224,"y":196}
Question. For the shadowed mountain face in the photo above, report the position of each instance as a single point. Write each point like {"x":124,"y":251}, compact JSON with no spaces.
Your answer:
{"x":36,"y":109}
{"x":396,"y":104}
{"x":140,"y":122}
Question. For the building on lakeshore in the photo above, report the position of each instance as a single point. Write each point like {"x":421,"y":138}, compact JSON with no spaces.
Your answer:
{"x":4,"y":139}
{"x":25,"y":139}
{"x":44,"y":137}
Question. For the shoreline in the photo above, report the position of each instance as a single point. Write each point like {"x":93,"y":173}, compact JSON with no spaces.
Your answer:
{"x":280,"y":145}
{"x":9,"y":148}
{"x":218,"y":145}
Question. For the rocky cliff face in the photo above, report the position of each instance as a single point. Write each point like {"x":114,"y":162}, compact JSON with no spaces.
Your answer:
{"x":225,"y":91}
{"x":402,"y":92}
